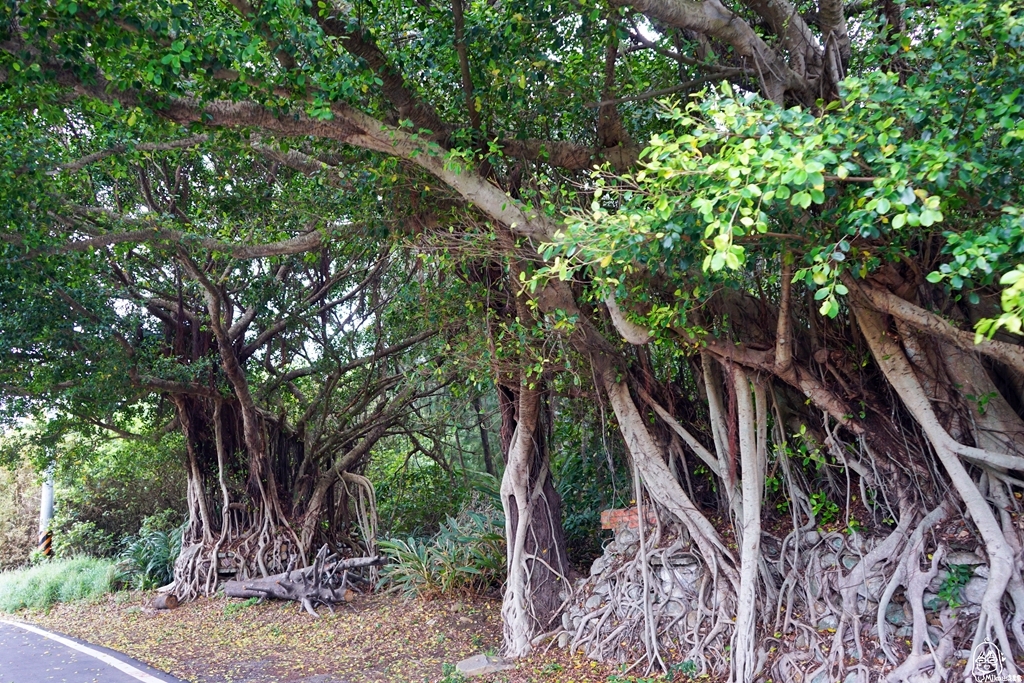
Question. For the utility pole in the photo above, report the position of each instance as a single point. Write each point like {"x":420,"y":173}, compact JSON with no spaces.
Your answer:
{"x":46,"y":514}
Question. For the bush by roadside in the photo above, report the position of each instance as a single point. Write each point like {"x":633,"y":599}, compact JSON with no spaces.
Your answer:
{"x":112,"y":487}
{"x":43,"y":585}
{"x":148,"y":557}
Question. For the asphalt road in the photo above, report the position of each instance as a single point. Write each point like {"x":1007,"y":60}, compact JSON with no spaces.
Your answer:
{"x":28,"y":654}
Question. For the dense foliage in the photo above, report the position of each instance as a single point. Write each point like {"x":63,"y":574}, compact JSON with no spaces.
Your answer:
{"x":105,"y":492}
{"x":19,"y":508}
{"x":930,"y":154}
{"x":301,"y":234}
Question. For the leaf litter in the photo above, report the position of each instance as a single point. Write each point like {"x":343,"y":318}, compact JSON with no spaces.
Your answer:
{"x":375,"y":639}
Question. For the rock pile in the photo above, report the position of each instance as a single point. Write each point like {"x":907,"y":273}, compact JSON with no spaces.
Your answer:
{"x":607,"y":607}
{"x":605,"y":612}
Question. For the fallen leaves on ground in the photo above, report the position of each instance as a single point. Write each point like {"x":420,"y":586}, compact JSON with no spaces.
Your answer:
{"x":375,"y":639}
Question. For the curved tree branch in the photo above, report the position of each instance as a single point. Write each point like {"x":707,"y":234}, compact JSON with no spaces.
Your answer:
{"x":887,"y":302}
{"x":690,"y":440}
{"x":79,"y":164}
{"x":630,"y":331}
{"x":715,"y":20}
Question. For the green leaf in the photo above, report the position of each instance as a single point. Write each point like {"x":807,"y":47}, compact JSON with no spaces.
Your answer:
{"x":1011,"y":276}
{"x":801,"y":199}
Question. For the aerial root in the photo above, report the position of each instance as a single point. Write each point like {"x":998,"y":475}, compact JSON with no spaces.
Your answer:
{"x":835,"y":617}
{"x":203,"y":564}
{"x":659,"y":598}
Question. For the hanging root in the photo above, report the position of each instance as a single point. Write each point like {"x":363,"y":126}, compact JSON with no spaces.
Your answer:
{"x":1002,"y":564}
{"x":202,"y":566}
{"x":366,"y":515}
{"x":842,"y":599}
{"x":890,"y":597}
{"x":652,"y":594}
{"x":191,"y":572}
{"x":255,"y":545}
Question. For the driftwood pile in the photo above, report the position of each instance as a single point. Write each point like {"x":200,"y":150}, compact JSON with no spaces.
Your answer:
{"x":325,"y":582}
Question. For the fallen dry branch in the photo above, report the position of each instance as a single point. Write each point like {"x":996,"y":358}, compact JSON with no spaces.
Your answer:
{"x":325,"y":582}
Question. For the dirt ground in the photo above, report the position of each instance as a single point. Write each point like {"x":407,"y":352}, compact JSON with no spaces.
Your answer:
{"x":375,"y":639}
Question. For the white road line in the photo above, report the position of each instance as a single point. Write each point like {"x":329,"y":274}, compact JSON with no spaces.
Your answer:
{"x":132,"y":671}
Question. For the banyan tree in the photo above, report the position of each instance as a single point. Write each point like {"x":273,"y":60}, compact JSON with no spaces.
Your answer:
{"x":273,"y":361}
{"x":775,"y":245}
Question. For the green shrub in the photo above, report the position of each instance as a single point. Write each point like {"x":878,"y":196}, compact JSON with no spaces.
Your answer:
{"x":414,"y":495}
{"x":411,"y":569}
{"x":467,"y":555}
{"x":474,"y":544}
{"x":41,"y":586}
{"x":149,"y":557}
{"x":105,"y":490}
{"x":76,"y":538}
{"x":952,"y":586}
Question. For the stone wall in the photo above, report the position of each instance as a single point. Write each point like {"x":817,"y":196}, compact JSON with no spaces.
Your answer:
{"x":604,"y":616}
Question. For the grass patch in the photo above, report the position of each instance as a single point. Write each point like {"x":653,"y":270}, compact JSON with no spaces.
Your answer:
{"x":236,"y":607}
{"x":39,"y":587}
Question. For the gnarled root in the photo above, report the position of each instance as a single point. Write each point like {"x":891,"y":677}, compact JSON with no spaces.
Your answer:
{"x":897,"y":369}
{"x":653,"y":595}
{"x":201,"y":566}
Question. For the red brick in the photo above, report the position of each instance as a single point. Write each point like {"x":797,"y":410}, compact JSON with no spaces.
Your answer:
{"x":618,"y":519}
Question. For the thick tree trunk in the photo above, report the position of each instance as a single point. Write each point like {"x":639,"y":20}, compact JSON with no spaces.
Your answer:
{"x":538,"y":566}
{"x":233,"y":528}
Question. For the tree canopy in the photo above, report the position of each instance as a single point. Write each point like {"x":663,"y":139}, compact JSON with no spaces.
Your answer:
{"x":771,"y":249}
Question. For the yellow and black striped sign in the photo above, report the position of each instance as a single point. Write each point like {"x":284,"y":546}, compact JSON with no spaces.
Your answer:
{"x":46,"y":543}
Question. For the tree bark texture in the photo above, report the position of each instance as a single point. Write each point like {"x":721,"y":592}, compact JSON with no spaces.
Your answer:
{"x":538,"y":566}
